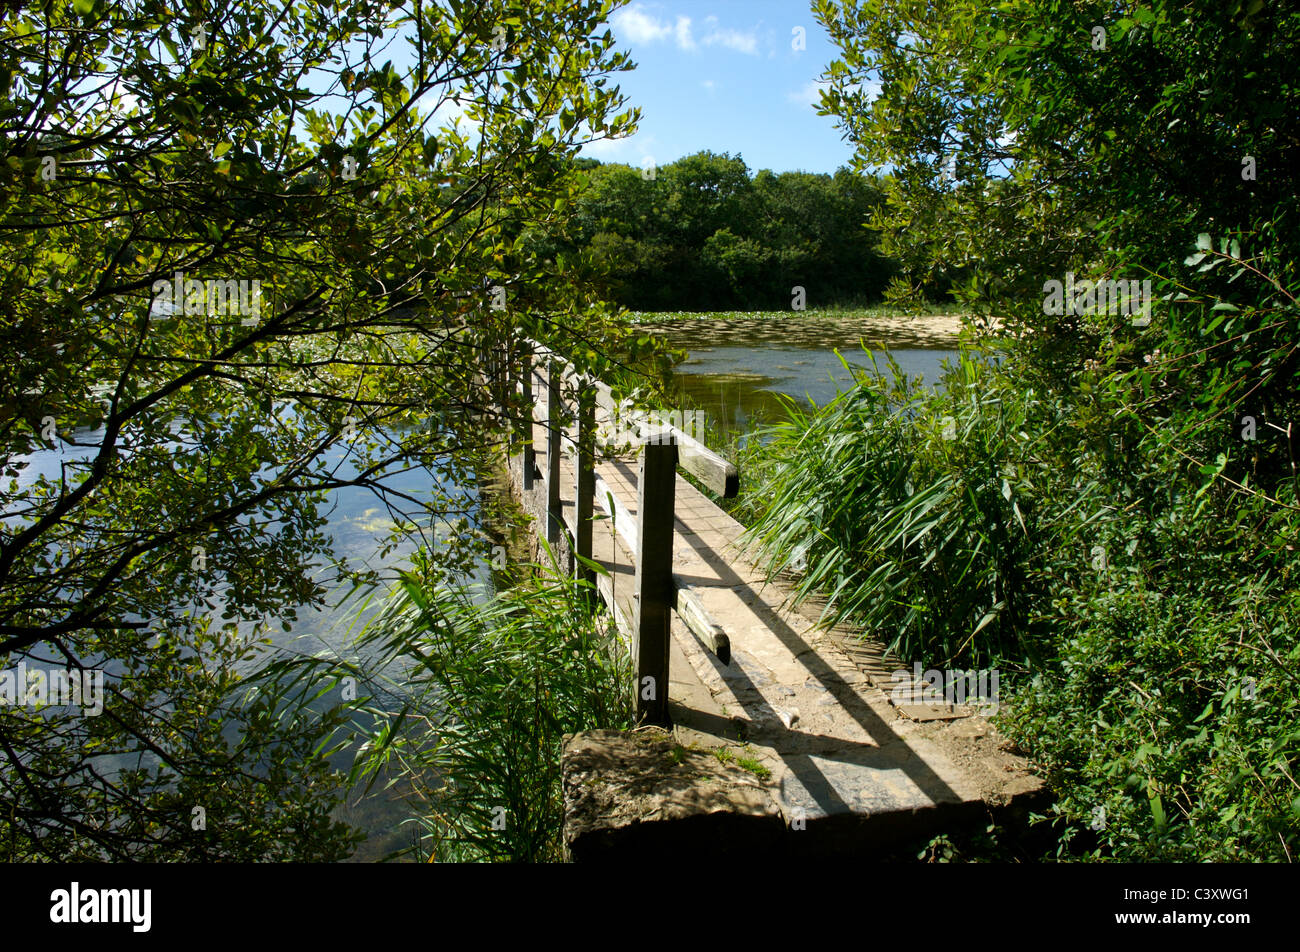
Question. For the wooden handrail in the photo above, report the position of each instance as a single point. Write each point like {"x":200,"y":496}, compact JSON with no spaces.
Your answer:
{"x":649,"y":536}
{"x":716,"y":473}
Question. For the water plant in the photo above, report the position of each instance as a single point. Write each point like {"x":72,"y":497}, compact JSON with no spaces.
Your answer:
{"x":904,"y":508}
{"x":494,"y":683}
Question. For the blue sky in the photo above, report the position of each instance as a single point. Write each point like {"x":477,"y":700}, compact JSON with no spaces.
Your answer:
{"x":723,"y":75}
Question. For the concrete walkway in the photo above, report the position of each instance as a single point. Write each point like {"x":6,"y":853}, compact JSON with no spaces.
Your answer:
{"x":804,"y":709}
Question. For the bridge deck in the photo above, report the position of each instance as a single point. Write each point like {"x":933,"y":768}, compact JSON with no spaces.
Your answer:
{"x":793,"y":696}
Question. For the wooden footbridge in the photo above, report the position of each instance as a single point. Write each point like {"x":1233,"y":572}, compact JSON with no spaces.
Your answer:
{"x":775,"y":721}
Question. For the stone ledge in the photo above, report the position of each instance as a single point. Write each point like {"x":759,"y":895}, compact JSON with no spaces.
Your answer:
{"x":640,"y":794}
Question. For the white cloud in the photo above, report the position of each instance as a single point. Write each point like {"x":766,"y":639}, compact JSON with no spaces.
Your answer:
{"x":810,"y":93}
{"x":871,"y":86}
{"x":631,"y":149}
{"x":636,"y":26}
{"x":807,"y":95}
{"x":683,"y":33}
{"x":733,"y":40}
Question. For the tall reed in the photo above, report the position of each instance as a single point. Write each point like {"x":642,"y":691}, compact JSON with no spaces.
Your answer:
{"x":907,"y":509}
{"x":494,"y":681}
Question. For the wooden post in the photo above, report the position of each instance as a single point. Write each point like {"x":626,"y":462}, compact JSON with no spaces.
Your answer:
{"x":586,"y":489}
{"x":501,"y":382}
{"x":656,"y":488}
{"x":492,"y":361}
{"x":530,"y":454}
{"x":554,"y":431}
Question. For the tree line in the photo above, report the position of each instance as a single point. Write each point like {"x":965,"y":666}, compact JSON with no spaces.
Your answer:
{"x":703,"y":233}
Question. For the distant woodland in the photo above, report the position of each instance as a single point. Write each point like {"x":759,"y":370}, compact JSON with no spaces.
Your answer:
{"x":704,"y":233}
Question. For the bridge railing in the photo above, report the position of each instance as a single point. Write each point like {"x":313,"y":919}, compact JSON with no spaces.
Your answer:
{"x":557,"y":397}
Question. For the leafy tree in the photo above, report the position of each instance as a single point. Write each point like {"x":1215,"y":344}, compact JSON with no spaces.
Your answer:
{"x":743,"y":263}
{"x":1153,"y":456}
{"x":1042,"y":136}
{"x":700,"y":234}
{"x":153,"y":158}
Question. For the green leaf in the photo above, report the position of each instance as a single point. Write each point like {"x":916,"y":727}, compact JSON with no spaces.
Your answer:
{"x":1209,"y":328}
{"x":1157,"y":807}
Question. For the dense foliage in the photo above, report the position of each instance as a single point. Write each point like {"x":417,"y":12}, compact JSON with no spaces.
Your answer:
{"x":1146,"y":633}
{"x":495,"y":683}
{"x":245,"y":249}
{"x":703,"y":234}
{"x":895,"y":501}
{"x":1110,"y":510}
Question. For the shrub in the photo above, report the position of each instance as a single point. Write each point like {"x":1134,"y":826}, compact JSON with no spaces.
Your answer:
{"x":495,"y":682}
{"x":1113,"y":536}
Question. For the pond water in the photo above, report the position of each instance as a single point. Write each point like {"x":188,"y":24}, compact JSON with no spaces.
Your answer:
{"x":358,"y":523}
{"x":737,"y":368}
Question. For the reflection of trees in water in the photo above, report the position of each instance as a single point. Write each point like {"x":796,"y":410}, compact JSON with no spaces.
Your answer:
{"x":739,"y":388}
{"x":816,"y":333}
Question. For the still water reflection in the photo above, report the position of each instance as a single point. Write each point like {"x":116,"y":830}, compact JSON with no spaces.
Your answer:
{"x":737,"y":368}
{"x":359,"y":524}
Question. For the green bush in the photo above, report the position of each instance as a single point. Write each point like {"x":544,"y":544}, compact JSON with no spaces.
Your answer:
{"x":1153,"y":462}
{"x":1113,"y":545}
{"x":495,"y":683}
{"x":1165,"y":713}
{"x":1168,"y":725}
